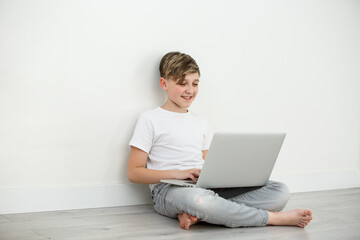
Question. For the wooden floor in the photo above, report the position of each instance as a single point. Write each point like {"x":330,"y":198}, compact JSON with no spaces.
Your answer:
{"x":336,"y":216}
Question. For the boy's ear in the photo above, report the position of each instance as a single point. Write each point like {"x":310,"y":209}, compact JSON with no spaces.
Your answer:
{"x":163,"y":83}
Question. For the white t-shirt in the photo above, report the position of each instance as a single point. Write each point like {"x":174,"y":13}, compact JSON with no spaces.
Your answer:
{"x":173,"y":141}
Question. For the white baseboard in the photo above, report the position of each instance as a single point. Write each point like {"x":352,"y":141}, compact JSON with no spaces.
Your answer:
{"x":319,"y":181}
{"x":81,"y":197}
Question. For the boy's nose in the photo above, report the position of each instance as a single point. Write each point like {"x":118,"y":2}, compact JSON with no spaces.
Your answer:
{"x":189,"y":90}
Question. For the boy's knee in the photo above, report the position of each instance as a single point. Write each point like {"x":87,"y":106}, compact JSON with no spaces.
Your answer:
{"x":204,"y":201}
{"x":282,"y":195}
{"x":285,"y":192}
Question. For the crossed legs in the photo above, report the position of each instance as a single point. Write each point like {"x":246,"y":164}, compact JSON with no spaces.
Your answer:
{"x":259,"y":207}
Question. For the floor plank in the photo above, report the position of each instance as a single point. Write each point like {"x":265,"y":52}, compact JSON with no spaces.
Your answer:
{"x":23,"y":235}
{"x":336,"y":216}
{"x":3,"y":219}
{"x":38,"y":216}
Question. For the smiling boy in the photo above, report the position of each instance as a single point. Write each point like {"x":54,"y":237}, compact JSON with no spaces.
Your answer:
{"x":171,"y":142}
{"x":180,"y":94}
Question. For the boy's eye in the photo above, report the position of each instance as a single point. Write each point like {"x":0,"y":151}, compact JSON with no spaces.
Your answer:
{"x":184,"y":84}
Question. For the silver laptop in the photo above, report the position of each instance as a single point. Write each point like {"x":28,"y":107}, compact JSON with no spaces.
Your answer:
{"x":237,"y":160}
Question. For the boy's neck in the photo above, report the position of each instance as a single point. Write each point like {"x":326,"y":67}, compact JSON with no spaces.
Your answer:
{"x":172,"y":108}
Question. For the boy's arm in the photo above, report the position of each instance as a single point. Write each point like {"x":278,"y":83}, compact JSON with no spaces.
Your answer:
{"x":138,"y":173}
{"x":204,"y":153}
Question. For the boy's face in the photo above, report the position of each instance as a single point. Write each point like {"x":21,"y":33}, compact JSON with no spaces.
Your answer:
{"x":180,"y":96}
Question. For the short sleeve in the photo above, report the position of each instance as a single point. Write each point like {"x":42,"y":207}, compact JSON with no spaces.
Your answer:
{"x":143,"y":134}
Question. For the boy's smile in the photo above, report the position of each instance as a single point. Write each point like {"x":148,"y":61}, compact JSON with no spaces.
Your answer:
{"x":180,"y":96}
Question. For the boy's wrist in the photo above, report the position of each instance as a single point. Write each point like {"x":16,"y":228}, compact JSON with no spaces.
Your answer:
{"x":173,"y":174}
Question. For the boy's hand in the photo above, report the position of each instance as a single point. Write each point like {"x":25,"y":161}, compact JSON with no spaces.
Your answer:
{"x":192,"y":173}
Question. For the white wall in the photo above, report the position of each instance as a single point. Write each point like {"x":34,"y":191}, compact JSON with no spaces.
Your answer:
{"x":75,"y":75}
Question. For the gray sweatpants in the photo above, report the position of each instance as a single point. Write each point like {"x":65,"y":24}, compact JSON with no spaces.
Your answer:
{"x":239,"y":207}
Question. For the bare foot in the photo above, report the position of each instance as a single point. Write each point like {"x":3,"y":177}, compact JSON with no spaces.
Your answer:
{"x":186,"y":220}
{"x":297,"y":217}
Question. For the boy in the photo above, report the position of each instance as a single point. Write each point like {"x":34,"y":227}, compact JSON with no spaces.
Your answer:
{"x":171,"y":142}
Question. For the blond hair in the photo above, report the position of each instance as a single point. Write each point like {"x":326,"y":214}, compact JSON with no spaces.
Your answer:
{"x":175,"y":65}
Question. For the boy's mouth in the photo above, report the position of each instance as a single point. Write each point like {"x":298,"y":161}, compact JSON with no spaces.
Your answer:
{"x":187,"y":97}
